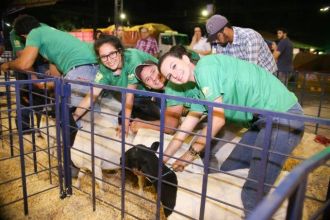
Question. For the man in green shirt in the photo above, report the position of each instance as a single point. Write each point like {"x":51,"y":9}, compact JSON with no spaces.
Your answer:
{"x":228,"y":80}
{"x":74,"y":59}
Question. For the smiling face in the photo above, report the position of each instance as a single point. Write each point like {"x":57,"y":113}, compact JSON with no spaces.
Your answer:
{"x":110,"y":56}
{"x":177,"y":70}
{"x":151,"y":77}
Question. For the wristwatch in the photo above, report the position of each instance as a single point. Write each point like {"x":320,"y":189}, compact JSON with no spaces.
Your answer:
{"x":193,"y":152}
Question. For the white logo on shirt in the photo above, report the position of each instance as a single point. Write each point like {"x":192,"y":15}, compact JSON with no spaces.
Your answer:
{"x":131,"y":76}
{"x":206,"y":91}
{"x":98,"y":77}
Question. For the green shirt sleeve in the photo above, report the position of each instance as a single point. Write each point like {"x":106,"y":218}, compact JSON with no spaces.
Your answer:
{"x":188,"y":90}
{"x":33,"y":39}
{"x":16,"y":42}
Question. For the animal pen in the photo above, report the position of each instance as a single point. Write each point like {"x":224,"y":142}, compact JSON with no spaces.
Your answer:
{"x":35,"y":164}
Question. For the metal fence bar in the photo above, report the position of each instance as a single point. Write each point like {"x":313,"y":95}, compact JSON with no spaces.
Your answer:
{"x":296,"y":202}
{"x":92,"y":147}
{"x":66,"y":91}
{"x":273,"y":201}
{"x":123,"y":159}
{"x":31,"y":115}
{"x":58,"y":93}
{"x":264,"y":158}
{"x":21,"y":146}
{"x":48,"y":137}
{"x":9,"y":106}
{"x":160,"y":161}
{"x":206,"y":162}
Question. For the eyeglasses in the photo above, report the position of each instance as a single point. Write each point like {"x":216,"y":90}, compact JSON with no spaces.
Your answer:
{"x":111,"y":55}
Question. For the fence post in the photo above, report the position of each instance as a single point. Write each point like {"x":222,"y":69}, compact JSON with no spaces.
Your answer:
{"x":66,"y":93}
{"x":8,"y":96}
{"x":58,"y":87}
{"x":296,"y":202}
{"x":31,"y":111}
{"x":264,"y":158}
{"x":123,"y":164}
{"x":92,"y":146}
{"x":160,"y":161}
{"x":206,"y":161}
{"x":21,"y":147}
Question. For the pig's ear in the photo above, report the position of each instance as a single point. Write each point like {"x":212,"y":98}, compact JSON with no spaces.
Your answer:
{"x":155,"y":146}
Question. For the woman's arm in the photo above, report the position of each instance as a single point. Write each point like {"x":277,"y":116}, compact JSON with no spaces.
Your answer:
{"x":85,"y":103}
{"x":187,"y":125}
{"x":128,"y":110}
{"x":218,"y":121}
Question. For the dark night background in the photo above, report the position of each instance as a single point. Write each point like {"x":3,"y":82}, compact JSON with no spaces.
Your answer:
{"x":302,"y":18}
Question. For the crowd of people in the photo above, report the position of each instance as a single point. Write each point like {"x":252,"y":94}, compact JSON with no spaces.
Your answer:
{"x":240,"y":73}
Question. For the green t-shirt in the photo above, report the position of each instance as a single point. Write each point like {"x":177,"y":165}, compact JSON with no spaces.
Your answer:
{"x":16,"y":42}
{"x":241,"y":83}
{"x":61,"y":48}
{"x":132,"y":58}
{"x":188,"y":90}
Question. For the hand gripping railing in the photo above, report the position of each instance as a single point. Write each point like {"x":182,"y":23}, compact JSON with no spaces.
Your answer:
{"x":293,"y":187}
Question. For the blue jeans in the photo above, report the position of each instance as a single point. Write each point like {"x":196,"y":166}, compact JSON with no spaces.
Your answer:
{"x":286,"y":134}
{"x":84,"y":73}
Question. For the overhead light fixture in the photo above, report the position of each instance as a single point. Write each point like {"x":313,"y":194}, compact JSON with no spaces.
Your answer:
{"x":204,"y":13}
{"x":7,"y":24}
{"x":325,"y":9}
{"x":122,"y":16}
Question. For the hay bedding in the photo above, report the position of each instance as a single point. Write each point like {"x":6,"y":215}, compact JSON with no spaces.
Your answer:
{"x":48,"y":205}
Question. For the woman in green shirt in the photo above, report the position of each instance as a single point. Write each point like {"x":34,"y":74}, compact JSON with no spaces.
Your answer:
{"x":228,"y":80}
{"x":117,"y":67}
{"x":150,"y":76}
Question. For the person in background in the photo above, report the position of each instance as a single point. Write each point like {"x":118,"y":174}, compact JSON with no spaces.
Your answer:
{"x":199,"y":43}
{"x":228,"y":80}
{"x":283,"y":54}
{"x":119,"y":32}
{"x":117,"y":66}
{"x":242,"y":43}
{"x":147,"y":43}
{"x":98,"y":33}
